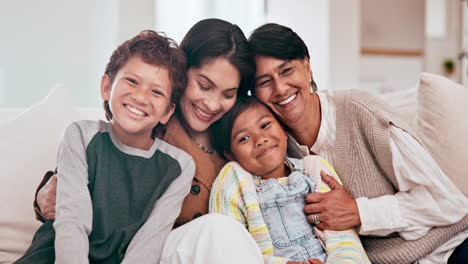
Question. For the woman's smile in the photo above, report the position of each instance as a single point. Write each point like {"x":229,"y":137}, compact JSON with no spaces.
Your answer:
{"x":287,"y":100}
{"x":203,"y":115}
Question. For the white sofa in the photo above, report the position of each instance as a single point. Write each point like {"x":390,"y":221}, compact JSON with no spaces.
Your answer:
{"x":29,"y":142}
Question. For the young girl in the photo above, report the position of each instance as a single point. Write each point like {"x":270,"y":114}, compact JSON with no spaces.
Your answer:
{"x":119,"y":188}
{"x":265,"y":191}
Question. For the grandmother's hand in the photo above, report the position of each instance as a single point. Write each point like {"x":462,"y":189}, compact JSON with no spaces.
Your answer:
{"x":336,"y":210}
{"x":46,"y":198}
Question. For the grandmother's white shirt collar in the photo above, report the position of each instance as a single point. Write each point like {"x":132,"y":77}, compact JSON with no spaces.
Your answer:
{"x":325,"y":144}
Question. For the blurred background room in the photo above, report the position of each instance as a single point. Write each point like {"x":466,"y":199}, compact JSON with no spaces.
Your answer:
{"x":378,"y":45}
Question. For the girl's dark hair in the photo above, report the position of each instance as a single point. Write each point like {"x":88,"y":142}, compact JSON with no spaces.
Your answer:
{"x":279,"y":42}
{"x":154,"y":49}
{"x":222,"y":129}
{"x":214,"y":38}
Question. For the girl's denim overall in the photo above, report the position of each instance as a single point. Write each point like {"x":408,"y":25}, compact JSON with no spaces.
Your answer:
{"x":282,"y":207}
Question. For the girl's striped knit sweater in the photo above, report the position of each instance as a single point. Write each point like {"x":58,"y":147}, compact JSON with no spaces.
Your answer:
{"x":234,"y":194}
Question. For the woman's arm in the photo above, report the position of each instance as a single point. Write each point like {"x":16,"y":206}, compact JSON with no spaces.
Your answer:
{"x":148,"y":243}
{"x":341,"y":246}
{"x":74,"y":208}
{"x":427,"y":197}
{"x":44,"y":200}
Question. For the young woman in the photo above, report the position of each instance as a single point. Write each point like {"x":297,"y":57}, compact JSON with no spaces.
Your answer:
{"x":395,"y":187}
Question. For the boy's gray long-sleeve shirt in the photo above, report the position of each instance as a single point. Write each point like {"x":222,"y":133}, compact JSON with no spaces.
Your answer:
{"x":116,"y":203}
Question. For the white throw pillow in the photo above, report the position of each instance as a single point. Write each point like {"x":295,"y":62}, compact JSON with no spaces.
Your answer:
{"x":29,"y":146}
{"x":403,"y":102}
{"x":442,"y":125}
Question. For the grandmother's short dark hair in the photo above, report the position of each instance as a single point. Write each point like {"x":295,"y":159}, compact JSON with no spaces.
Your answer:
{"x":277,"y":41}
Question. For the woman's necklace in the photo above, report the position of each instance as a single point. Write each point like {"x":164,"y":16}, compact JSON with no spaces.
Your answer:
{"x":203,"y":147}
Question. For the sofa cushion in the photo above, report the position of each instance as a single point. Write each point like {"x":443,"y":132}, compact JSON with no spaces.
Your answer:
{"x":404,"y":103}
{"x":30,"y":144}
{"x":442,"y":125}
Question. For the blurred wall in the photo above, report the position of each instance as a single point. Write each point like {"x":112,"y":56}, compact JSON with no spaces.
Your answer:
{"x":176,"y":17}
{"x":396,"y":24}
{"x":52,"y":41}
{"x":134,"y":16}
{"x":345,"y":31}
{"x":310,"y":20}
{"x":392,"y":44}
{"x":448,"y":46}
{"x":330,"y":29}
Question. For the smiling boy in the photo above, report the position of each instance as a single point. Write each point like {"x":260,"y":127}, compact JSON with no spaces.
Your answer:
{"x":120,"y":188}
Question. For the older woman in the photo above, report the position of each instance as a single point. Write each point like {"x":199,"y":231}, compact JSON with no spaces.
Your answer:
{"x":406,"y":208}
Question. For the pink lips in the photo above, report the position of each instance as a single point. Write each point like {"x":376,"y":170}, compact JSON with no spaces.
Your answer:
{"x":265,"y":151}
{"x":202,"y":117}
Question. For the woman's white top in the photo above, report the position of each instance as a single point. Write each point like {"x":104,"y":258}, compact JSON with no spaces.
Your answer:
{"x":427,"y":196}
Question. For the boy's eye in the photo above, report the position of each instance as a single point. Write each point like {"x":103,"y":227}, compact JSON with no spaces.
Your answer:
{"x":265,"y":125}
{"x":132,"y":81}
{"x":157,"y":92}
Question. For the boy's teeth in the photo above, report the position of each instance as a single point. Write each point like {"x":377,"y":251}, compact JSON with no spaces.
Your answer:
{"x":135,"y":111}
{"x":287,"y":100}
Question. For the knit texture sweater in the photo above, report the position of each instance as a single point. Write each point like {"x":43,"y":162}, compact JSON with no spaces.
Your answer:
{"x":234,"y":194}
{"x":364,"y":162}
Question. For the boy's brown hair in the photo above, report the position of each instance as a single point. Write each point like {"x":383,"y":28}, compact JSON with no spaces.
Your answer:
{"x":154,"y":49}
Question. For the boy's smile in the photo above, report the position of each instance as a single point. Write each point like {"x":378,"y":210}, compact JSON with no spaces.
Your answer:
{"x":137,"y":112}
{"x":139,"y":98}
{"x":258,"y":142}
